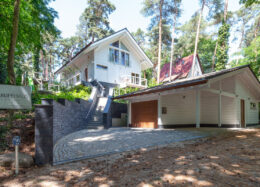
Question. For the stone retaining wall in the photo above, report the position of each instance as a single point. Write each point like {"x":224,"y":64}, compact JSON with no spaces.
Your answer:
{"x":54,"y":120}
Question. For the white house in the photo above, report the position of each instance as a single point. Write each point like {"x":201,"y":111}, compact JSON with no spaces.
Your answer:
{"x":116,"y":59}
{"x":218,"y":99}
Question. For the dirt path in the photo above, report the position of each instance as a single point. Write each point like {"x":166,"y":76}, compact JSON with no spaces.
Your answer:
{"x":232,"y":159}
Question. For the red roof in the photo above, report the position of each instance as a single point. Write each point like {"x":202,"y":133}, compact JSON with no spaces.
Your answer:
{"x":180,"y":69}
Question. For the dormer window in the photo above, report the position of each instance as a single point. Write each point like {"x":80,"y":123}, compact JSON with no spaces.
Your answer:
{"x":119,"y":54}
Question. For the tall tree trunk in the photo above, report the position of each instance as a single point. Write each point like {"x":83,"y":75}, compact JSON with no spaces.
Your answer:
{"x":172,"y":44}
{"x":11,"y":51}
{"x":241,"y":40}
{"x":225,"y":11}
{"x":197,"y":39}
{"x":160,"y":44}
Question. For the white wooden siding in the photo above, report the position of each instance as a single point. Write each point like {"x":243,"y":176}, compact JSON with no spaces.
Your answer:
{"x":228,"y":110}
{"x":180,"y":108}
{"x":251,"y":115}
{"x":114,"y":71}
{"x":209,"y":108}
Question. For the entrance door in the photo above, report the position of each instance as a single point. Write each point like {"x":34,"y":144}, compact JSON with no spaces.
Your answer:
{"x":86,"y":74}
{"x":243,"y":121}
{"x":144,"y":114}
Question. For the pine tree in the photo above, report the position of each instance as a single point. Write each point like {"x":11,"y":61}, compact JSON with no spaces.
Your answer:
{"x":94,"y":22}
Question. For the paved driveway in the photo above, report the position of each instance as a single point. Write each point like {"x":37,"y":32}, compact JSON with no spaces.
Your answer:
{"x":93,"y":143}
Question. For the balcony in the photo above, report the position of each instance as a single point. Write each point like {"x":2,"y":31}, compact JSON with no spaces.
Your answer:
{"x":133,"y":81}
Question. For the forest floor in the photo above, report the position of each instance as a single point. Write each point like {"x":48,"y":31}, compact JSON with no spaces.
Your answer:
{"x":230,"y":158}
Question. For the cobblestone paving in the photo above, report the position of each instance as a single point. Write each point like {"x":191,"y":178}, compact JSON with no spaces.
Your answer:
{"x":92,"y":143}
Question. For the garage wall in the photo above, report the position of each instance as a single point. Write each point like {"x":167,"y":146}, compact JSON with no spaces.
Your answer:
{"x":229,"y":111}
{"x":209,"y":108}
{"x":180,"y":108}
{"x":251,"y":114}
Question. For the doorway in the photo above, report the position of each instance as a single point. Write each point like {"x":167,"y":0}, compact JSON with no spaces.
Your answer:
{"x":86,"y":74}
{"x":242,"y":105}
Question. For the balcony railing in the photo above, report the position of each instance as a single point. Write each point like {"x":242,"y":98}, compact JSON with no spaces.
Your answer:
{"x":133,"y":81}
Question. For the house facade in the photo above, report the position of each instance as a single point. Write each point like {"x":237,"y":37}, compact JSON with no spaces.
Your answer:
{"x":116,"y":59}
{"x":228,"y":98}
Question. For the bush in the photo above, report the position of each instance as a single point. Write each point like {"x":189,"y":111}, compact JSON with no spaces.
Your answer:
{"x":80,"y":91}
{"x":3,"y":131}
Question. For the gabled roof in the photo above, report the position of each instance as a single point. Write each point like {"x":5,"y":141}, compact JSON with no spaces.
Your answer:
{"x":202,"y":79}
{"x":180,"y":69}
{"x":92,"y":45}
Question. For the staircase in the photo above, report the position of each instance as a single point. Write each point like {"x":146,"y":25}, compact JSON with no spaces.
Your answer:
{"x":100,"y":96}
{"x":96,"y":120}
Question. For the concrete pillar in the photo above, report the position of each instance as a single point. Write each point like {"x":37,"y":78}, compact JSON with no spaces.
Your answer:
{"x":219,"y":109}
{"x":159,"y":112}
{"x":197,"y":108}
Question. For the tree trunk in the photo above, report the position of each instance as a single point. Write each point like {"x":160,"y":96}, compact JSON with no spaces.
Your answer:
{"x":172,"y":44}
{"x":241,"y":40}
{"x":160,"y":44}
{"x":225,"y":11}
{"x":197,"y":39}
{"x":11,"y":51}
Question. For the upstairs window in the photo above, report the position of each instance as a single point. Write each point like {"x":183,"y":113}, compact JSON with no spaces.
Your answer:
{"x":113,"y":55}
{"x":115,"y":44}
{"x":118,"y":53}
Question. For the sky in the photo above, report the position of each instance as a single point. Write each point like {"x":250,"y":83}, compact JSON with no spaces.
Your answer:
{"x":127,"y":14}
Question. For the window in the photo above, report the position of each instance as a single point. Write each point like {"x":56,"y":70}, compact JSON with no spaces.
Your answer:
{"x":123,"y":58}
{"x":115,"y":44}
{"x":119,"y":54}
{"x":127,"y":61}
{"x":113,"y":55}
{"x":101,"y":67}
{"x":122,"y":46}
{"x":135,"y":78}
{"x":253,"y":106}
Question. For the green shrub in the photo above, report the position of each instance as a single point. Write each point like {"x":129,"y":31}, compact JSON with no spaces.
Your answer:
{"x":79,"y":91}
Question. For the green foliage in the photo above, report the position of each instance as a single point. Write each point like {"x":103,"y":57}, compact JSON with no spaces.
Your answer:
{"x":3,"y":72}
{"x":249,"y":2}
{"x":36,"y":19}
{"x":222,"y":50}
{"x":79,"y":91}
{"x":94,"y":22}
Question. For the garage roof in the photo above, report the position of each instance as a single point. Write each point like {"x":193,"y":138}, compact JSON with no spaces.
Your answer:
{"x":202,"y":79}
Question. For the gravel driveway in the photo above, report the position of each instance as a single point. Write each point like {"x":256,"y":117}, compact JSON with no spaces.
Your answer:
{"x":93,"y":143}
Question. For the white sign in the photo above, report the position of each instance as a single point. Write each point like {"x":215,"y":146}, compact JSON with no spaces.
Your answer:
{"x":15,"y":97}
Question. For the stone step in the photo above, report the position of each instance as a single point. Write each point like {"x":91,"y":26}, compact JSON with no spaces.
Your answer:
{"x":95,"y":123}
{"x":98,"y":127}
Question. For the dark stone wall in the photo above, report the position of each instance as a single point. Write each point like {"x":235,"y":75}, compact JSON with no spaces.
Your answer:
{"x":117,"y":109}
{"x":43,"y":134}
{"x":69,"y":116}
{"x":54,"y":120}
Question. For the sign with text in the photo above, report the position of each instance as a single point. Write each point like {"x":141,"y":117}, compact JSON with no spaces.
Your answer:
{"x":15,"y":97}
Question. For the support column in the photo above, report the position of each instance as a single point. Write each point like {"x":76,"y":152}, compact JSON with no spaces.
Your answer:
{"x":198,"y":108}
{"x":159,"y":122}
{"x":129,"y":118}
{"x":219,"y":109}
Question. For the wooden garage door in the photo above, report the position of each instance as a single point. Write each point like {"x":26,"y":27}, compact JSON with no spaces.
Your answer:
{"x":144,"y":114}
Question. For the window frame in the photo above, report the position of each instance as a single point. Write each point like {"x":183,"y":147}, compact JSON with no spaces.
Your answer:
{"x":120,"y":51}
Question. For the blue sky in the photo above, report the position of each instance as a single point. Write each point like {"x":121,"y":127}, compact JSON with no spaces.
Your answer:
{"x":127,"y":14}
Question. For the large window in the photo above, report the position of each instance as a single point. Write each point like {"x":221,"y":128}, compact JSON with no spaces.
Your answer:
{"x":118,"y":53}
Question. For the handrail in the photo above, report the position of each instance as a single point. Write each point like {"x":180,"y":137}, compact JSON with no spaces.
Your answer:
{"x":134,"y":80}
